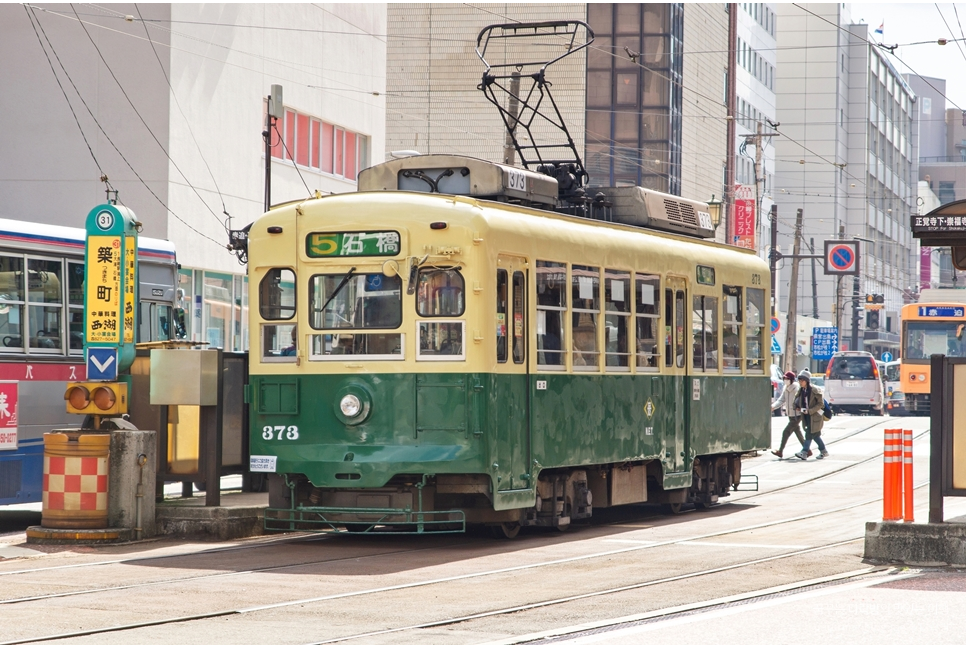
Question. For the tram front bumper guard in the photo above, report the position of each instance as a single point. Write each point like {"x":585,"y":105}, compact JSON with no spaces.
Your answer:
{"x":365,"y":520}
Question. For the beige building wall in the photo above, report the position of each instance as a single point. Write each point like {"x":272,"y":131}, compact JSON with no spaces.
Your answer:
{"x":433,"y":105}
{"x":704,"y":133}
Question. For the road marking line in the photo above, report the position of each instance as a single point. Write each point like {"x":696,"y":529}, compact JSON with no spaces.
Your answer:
{"x":752,"y":545}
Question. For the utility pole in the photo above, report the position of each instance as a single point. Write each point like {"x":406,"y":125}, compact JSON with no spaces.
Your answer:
{"x":773,"y":257}
{"x":273,"y":113}
{"x":791,"y":327}
{"x":814,"y":282}
{"x":731,"y":128}
{"x":855,"y":314}
{"x":838,"y":295}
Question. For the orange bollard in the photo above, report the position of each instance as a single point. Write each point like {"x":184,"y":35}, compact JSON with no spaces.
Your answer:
{"x":907,"y":474}
{"x":889,"y":463}
{"x":897,"y":474}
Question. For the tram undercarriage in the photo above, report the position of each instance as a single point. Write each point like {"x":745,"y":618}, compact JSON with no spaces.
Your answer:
{"x":446,"y":503}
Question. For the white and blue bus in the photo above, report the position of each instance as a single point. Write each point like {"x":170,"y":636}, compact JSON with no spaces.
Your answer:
{"x":42,"y":336}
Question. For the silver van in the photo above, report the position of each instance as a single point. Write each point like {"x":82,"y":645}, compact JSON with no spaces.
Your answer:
{"x":853,"y":383}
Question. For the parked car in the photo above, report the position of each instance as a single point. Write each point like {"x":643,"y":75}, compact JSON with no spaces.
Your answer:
{"x":818,"y":380}
{"x":896,"y":404}
{"x":853,"y":383}
{"x":777,"y":386}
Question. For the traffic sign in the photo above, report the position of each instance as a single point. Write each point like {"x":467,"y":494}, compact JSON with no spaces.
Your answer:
{"x":825,"y":342}
{"x":101,"y":363}
{"x":887,"y":356}
{"x":842,"y":257}
{"x":775,"y":325}
{"x":775,"y":347}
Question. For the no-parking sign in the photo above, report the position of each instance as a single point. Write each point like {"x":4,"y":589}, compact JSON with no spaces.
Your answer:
{"x":842,"y":257}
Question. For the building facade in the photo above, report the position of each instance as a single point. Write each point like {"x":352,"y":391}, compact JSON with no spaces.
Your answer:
{"x":848,"y":157}
{"x":644,"y":104}
{"x":168,"y":101}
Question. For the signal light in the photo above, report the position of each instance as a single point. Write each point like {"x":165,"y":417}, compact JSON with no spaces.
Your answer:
{"x":96,"y":398}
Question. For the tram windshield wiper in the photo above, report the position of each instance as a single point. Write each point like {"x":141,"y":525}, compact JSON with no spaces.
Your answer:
{"x":345,"y":279}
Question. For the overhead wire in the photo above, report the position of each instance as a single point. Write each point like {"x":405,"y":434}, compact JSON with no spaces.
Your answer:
{"x":227,"y":223}
{"x":101,"y":128}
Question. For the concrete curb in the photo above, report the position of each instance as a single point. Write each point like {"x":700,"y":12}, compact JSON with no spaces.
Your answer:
{"x":211,"y":523}
{"x":922,"y":544}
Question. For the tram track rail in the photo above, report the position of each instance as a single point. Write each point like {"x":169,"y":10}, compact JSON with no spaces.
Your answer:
{"x":477,"y":575}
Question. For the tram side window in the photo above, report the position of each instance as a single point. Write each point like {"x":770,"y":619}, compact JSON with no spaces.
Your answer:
{"x":648,"y":291}
{"x":755,"y":328}
{"x":45,"y":302}
{"x":704,"y":333}
{"x":668,"y":328}
{"x":12,"y":302}
{"x":617,"y":307}
{"x":585,"y":288}
{"x":679,"y":322}
{"x":502,"y":307}
{"x":731,"y":334}
{"x":276,"y":302}
{"x":519,"y":317}
{"x":440,"y":293}
{"x":551,"y":307}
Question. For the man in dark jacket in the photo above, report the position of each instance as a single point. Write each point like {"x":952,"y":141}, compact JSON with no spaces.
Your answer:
{"x":789,"y":398}
{"x":811,"y":403}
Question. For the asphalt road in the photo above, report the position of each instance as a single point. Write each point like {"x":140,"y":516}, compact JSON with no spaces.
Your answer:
{"x":782,"y":564}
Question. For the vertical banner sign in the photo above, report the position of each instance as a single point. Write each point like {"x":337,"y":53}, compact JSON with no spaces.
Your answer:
{"x":9,"y":391}
{"x":130,"y":271}
{"x":104,"y":289}
{"x":744,"y":220}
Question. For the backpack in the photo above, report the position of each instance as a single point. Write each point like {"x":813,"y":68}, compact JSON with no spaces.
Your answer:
{"x":827,"y":411}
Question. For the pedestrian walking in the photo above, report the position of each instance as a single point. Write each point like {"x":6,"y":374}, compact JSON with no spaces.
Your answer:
{"x":788,"y":399}
{"x":811,"y":403}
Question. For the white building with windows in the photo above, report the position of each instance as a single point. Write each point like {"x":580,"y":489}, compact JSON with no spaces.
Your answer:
{"x":848,"y":157}
{"x":756,"y":72}
{"x":169,"y":101}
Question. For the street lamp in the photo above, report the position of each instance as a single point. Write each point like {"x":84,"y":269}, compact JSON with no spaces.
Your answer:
{"x":714,"y":210}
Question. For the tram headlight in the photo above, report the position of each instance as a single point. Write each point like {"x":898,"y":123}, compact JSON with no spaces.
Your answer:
{"x":350,"y":406}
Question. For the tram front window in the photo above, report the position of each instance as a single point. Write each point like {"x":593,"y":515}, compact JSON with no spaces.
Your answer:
{"x":355,"y":301}
{"x":926,"y":338}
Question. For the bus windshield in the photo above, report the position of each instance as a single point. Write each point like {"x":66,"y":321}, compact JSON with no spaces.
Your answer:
{"x":364,"y":301}
{"x":926,"y":338}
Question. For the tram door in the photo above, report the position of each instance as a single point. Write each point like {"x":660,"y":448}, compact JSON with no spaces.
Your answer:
{"x":512,"y":410}
{"x":677,"y":328}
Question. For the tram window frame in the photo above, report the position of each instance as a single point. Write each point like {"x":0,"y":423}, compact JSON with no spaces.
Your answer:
{"x":518,"y":290}
{"x":552,"y":301}
{"x":647,"y":315}
{"x":423,"y":285}
{"x":755,"y":361}
{"x":706,"y":335}
{"x":585,"y":359}
{"x":270,"y":342}
{"x":668,"y":328}
{"x":428,"y":329}
{"x":680,"y":314}
{"x":617,"y":311}
{"x":732,"y":359}
{"x":317,"y":299}
{"x":273,"y":312}
{"x":502,"y":313}
{"x":363,"y":346}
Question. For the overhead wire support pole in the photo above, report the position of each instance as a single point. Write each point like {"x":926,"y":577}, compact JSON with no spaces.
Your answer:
{"x":773,"y":257}
{"x":791,"y":328}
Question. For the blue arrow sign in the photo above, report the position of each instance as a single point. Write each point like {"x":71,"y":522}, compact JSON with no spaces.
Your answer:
{"x":887,"y":356}
{"x":775,"y":348}
{"x":101,"y":364}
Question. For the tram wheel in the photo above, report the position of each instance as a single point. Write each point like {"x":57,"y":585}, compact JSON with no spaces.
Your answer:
{"x":673,"y":508}
{"x":505,"y":530}
{"x":702,"y":505}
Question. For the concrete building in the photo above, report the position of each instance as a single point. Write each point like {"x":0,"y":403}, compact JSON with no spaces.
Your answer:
{"x":644,"y":106}
{"x":168,"y":101}
{"x":848,"y":157}
{"x":757,"y":59}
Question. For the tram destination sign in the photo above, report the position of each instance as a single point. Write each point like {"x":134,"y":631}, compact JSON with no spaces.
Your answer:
{"x":353,"y":244}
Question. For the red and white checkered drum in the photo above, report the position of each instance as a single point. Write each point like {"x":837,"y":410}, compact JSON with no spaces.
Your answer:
{"x":75,"y":480}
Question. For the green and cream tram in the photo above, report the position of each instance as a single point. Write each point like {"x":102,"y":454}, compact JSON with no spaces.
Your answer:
{"x":466,"y":355}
